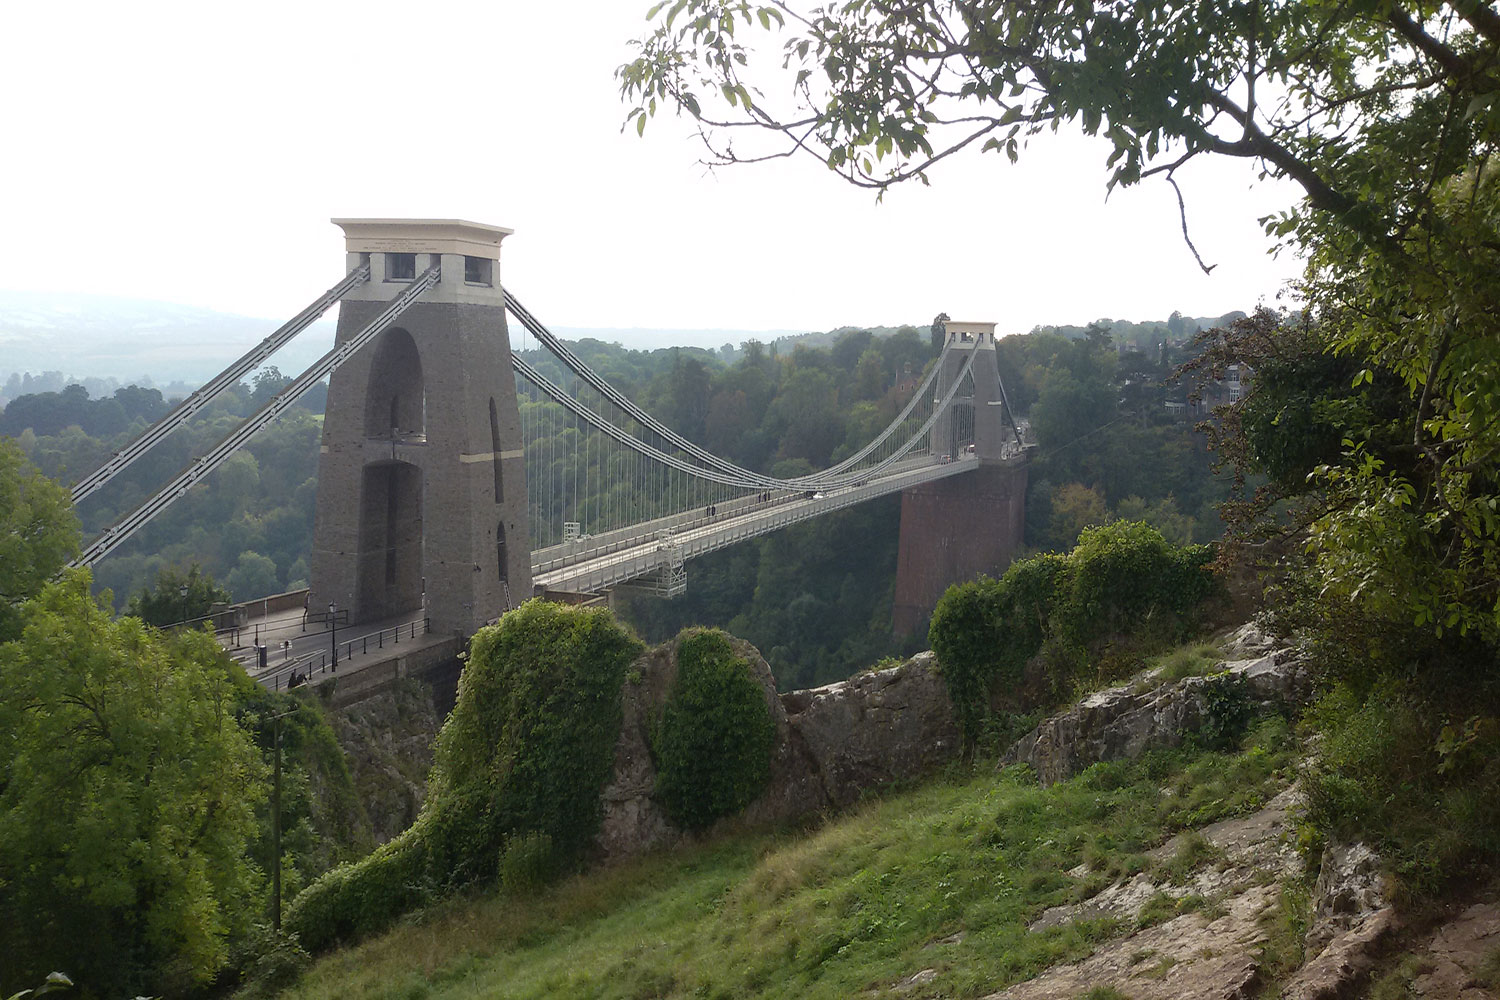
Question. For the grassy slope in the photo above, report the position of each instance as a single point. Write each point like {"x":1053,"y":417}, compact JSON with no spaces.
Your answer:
{"x":857,"y":905}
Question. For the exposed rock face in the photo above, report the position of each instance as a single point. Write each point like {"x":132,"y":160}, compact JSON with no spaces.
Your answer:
{"x":1351,"y":920}
{"x":1123,"y":722}
{"x":1205,"y":957}
{"x":1348,"y":891}
{"x":832,"y":743}
{"x":1249,"y":849}
{"x":1186,"y":958}
{"x":634,"y":821}
{"x":1459,"y":953}
{"x":875,"y":727}
{"x":388,"y":741}
{"x":1248,"y":642}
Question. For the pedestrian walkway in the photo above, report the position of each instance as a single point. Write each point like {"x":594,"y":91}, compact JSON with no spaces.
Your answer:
{"x":296,"y":646}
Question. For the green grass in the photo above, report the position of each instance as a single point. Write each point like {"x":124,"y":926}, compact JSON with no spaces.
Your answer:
{"x":850,"y":908}
{"x":1488,"y":973}
{"x":1189,"y":661}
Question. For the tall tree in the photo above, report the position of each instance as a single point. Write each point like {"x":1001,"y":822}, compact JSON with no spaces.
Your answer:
{"x":177,"y":596}
{"x":127,"y":796}
{"x":38,"y":533}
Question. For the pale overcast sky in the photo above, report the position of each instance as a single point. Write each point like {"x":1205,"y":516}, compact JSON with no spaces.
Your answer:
{"x":194,"y":153}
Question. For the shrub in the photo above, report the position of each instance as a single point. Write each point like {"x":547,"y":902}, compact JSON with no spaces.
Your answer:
{"x":526,"y":750}
{"x":1227,"y":711}
{"x":713,"y":745}
{"x":527,"y":862}
{"x":984,"y":632}
{"x":1122,"y":581}
{"x":1381,"y":775}
{"x":360,"y":897}
{"x":270,"y":962}
{"x":1125,"y":578}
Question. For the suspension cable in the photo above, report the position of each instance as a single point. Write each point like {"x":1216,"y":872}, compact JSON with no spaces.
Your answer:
{"x":604,"y":388}
{"x":201,"y":467}
{"x":211,"y":389}
{"x":751,"y":481}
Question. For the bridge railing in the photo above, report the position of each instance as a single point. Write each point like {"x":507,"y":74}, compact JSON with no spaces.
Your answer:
{"x":302,"y":669}
{"x":606,"y":543}
{"x":564,"y":554}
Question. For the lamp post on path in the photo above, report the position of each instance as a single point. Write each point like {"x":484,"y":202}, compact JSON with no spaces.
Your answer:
{"x":276,"y":823}
{"x":333,"y":625}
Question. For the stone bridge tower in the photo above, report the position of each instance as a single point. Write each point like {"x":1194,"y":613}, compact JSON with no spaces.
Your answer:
{"x":956,"y":529}
{"x":421,"y":477}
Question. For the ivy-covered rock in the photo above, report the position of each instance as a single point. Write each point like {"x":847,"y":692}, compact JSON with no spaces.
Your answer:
{"x":525,"y":754}
{"x":714,"y":743}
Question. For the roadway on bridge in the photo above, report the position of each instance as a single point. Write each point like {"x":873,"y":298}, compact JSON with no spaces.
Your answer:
{"x":592,"y":569}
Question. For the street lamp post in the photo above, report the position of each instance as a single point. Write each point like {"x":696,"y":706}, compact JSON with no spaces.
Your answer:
{"x":333,"y":623}
{"x":182,"y":592}
{"x":276,"y":823}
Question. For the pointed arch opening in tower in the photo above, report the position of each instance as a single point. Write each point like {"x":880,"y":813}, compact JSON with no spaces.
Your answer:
{"x":396,"y":402}
{"x":390,"y":545}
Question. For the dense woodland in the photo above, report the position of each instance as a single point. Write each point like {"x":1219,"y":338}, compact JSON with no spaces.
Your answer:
{"x":815,"y":597}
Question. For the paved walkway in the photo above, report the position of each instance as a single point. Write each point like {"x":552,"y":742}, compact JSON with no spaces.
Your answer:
{"x":302,"y":644}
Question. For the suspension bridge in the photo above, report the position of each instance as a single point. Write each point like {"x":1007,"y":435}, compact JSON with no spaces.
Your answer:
{"x":457,"y":478}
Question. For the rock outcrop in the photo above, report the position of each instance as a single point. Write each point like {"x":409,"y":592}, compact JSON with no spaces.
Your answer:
{"x":634,"y":821}
{"x":1125,"y":721}
{"x":1190,"y":957}
{"x":832,"y":744}
{"x":1460,"y":955}
{"x":874,"y":728}
{"x":388,"y":741}
{"x":1210,"y":954}
{"x":1352,"y":918}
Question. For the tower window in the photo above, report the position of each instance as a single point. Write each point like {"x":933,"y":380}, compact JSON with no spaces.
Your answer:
{"x":478,"y":270}
{"x":400,"y":266}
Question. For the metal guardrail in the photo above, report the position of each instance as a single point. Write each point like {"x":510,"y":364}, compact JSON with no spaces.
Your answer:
{"x":302,"y":669}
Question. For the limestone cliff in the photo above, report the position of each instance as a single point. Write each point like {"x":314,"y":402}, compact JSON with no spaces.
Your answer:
{"x":832,"y":744}
{"x":388,"y":740}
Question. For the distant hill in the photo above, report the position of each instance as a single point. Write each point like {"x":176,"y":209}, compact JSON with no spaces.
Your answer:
{"x":127,"y":339}
{"x":105,"y":341}
{"x":110,"y":341}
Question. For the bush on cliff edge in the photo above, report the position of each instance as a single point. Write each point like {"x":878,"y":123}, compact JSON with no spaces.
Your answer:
{"x":526,"y":751}
{"x":1122,"y":579}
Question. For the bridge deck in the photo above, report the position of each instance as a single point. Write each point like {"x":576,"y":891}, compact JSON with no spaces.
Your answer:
{"x":591,"y":567}
{"x":301,"y":644}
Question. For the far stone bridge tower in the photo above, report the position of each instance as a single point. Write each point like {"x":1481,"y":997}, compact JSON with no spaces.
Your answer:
{"x":421,"y":476}
{"x":953,"y":530}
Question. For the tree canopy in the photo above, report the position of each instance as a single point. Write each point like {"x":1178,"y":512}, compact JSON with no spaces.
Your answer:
{"x":38,"y":533}
{"x":178,"y":596}
{"x":1387,"y":115}
{"x":127,"y":799}
{"x":882,"y":91}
